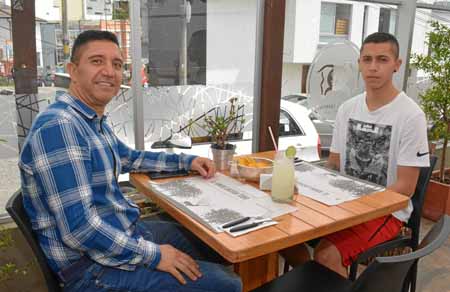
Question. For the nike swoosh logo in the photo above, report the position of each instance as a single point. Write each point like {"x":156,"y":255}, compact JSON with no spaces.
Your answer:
{"x":421,"y":154}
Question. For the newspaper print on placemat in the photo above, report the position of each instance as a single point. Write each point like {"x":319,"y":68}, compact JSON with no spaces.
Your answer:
{"x":330,"y":187}
{"x":219,"y":200}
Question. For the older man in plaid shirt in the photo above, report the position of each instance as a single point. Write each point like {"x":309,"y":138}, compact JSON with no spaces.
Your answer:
{"x":88,"y":230}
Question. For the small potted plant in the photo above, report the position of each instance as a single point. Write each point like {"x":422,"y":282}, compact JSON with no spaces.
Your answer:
{"x":436,"y":105}
{"x":224,"y":122}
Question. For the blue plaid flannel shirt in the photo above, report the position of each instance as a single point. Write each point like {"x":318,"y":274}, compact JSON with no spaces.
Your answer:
{"x":69,"y":167}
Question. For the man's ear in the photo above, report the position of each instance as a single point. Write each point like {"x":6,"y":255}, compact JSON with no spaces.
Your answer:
{"x":399,"y":63}
{"x":72,"y":69}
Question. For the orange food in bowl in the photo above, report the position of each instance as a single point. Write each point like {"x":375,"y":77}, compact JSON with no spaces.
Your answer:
{"x":251,"y":162}
{"x":261,"y":164}
{"x":250,"y":168}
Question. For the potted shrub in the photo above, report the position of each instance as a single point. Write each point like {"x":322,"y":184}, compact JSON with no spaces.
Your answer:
{"x":436,"y":105}
{"x":223,"y":122}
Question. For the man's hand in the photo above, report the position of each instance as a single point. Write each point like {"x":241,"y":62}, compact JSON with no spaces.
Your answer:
{"x":174,"y":261}
{"x":204,"y":166}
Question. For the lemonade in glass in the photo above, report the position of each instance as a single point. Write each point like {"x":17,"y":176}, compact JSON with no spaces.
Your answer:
{"x":283,"y":176}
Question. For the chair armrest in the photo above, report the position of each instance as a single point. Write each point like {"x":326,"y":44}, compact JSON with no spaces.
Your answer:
{"x":400,"y":241}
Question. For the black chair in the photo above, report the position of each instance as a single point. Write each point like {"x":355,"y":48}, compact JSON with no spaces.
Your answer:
{"x":413,"y":225}
{"x":385,"y":274}
{"x":18,"y":214}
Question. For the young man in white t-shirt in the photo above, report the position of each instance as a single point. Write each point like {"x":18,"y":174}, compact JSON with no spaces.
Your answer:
{"x":379,"y":136}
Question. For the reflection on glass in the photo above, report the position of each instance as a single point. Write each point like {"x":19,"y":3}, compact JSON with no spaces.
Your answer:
{"x":388,"y":20}
{"x":419,"y":81}
{"x":176,"y":49}
{"x":197,"y":54}
{"x":334,"y":21}
{"x":379,"y":18}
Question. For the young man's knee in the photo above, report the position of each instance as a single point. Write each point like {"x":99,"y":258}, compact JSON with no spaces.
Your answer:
{"x":327,"y":254}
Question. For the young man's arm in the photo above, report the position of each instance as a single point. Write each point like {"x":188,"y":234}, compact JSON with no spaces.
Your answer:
{"x":336,"y":147}
{"x":412,"y":143}
{"x":334,"y":161}
{"x":407,"y":177}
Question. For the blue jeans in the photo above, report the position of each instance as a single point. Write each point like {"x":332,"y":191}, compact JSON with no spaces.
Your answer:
{"x":215,"y":277}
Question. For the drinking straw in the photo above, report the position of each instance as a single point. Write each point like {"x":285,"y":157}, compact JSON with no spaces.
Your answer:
{"x":273,"y":139}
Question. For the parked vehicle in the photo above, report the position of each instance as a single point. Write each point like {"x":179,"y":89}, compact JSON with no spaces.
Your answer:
{"x":297,"y":98}
{"x":323,"y":127}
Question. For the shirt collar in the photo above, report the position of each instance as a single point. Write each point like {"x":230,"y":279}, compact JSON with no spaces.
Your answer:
{"x":78,"y":105}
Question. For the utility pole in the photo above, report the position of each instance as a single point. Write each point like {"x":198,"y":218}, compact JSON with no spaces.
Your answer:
{"x":65,"y":36}
{"x":24,"y":71}
{"x":24,"y":46}
{"x":185,"y":19}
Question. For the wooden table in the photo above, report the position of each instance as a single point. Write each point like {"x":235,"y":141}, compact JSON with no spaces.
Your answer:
{"x":255,"y":255}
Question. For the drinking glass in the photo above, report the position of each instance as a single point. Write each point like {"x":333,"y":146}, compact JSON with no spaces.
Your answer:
{"x":283,"y":178}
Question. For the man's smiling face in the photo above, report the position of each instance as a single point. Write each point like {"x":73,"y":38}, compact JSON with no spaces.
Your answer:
{"x":96,"y":73}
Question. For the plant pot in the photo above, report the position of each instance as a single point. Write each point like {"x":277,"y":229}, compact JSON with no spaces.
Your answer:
{"x":437,"y":199}
{"x":223,"y":157}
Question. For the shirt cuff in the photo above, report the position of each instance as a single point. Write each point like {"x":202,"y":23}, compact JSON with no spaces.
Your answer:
{"x":186,"y":161}
{"x":151,"y":253}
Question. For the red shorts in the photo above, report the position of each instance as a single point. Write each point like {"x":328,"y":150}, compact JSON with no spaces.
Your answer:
{"x":354,"y":240}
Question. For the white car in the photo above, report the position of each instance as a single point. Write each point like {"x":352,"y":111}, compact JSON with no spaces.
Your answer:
{"x":295,"y":128}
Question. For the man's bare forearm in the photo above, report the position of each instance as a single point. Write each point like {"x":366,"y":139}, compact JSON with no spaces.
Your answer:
{"x":333,"y":161}
{"x":407,"y":177}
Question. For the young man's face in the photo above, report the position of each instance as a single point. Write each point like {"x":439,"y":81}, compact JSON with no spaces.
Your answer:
{"x":96,"y":73}
{"x":378,"y":63}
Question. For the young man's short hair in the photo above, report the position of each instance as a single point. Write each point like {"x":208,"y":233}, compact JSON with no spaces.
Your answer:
{"x":382,"y":37}
{"x":89,"y":36}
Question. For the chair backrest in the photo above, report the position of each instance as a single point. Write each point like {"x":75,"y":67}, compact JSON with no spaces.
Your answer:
{"x":417,"y":200}
{"x":18,"y":214}
{"x":387,"y":274}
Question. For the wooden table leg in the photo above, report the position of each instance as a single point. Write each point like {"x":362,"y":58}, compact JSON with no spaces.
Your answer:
{"x":257,"y":271}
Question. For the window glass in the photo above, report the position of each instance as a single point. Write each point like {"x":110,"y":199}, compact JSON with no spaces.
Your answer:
{"x":334,"y":21}
{"x":175,"y":42}
{"x":288,"y":127}
{"x":327,"y":18}
{"x":388,"y":19}
{"x":310,"y":27}
{"x":379,"y":18}
{"x":418,"y":81}
{"x":197,"y":55}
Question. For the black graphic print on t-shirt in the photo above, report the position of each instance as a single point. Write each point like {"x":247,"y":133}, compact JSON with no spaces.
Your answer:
{"x":367,"y":151}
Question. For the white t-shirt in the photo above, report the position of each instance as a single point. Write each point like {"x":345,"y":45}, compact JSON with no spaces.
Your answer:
{"x":372,"y":144}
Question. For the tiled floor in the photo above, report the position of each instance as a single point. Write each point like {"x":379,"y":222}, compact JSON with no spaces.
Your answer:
{"x":434,"y":270}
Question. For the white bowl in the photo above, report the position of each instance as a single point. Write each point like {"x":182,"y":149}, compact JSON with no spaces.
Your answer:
{"x":252,"y":173}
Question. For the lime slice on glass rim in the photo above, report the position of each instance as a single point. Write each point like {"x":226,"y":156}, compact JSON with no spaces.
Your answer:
{"x":290,"y":152}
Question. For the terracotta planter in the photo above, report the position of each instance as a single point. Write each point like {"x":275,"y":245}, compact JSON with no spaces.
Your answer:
{"x":437,"y":200}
